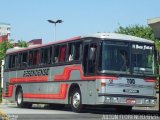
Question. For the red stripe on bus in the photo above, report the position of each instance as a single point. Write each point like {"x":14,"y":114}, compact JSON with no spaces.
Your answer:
{"x":29,"y":79}
{"x":149,"y":80}
{"x":67,"y":70}
{"x":61,"y":95}
{"x":10,"y":91}
{"x":24,"y":80}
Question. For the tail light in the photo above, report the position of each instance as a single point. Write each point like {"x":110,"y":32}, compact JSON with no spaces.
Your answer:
{"x":150,"y":79}
{"x":103,"y":84}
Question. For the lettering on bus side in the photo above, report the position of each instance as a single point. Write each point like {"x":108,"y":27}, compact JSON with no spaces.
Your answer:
{"x":36,"y":72}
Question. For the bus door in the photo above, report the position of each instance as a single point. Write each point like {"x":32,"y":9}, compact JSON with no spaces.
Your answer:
{"x":89,"y":58}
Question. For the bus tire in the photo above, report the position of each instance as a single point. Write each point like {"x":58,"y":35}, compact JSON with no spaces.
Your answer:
{"x":19,"y":100}
{"x":76,"y":101}
{"x":124,"y":109}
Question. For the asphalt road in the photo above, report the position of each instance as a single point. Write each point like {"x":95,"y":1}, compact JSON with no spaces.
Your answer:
{"x":45,"y":113}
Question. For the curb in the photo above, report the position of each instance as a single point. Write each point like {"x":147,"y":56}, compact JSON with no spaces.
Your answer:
{"x":8,"y":104}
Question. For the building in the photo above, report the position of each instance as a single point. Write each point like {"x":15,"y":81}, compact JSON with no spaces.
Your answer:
{"x":5,"y":31}
{"x":3,"y":38}
{"x":155,"y":25}
{"x":35,"y":42}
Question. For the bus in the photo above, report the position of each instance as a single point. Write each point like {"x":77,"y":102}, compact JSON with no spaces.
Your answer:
{"x":101,"y":69}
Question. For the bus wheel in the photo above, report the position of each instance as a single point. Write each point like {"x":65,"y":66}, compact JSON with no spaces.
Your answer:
{"x":76,"y":101}
{"x":124,"y":109}
{"x":19,"y":99}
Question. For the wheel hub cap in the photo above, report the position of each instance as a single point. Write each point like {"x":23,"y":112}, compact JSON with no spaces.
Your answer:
{"x":76,"y":100}
{"x":19,"y":99}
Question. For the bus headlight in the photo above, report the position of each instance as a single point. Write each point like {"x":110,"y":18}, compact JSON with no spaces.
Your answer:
{"x":152,"y":101}
{"x":111,"y":99}
{"x":114,"y":99}
{"x":146,"y":101}
{"x":108,"y":99}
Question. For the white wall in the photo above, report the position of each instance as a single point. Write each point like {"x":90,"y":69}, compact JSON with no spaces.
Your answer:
{"x":2,"y":70}
{"x":5,"y":29}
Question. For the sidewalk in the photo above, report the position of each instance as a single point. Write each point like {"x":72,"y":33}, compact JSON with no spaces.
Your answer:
{"x":6,"y":102}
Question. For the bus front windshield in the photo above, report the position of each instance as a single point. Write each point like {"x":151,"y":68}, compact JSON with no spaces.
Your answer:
{"x":118,"y":58}
{"x":114,"y":57}
{"x":142,"y":59}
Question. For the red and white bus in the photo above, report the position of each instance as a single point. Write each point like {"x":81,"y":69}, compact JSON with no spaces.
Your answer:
{"x":104,"y":69}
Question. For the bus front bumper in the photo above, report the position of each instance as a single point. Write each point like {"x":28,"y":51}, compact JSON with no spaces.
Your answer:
{"x":127,"y":100}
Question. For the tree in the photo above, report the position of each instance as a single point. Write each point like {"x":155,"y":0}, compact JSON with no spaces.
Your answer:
{"x":22,"y":43}
{"x":140,"y":31}
{"x":137,"y":30}
{"x":143,"y":32}
{"x":3,"y":48}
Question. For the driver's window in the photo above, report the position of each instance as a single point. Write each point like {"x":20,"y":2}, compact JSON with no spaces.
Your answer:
{"x":92,"y":58}
{"x":89,"y":58}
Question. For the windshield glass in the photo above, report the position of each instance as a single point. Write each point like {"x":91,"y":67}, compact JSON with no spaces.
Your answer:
{"x":142,"y":59}
{"x":114,"y":57}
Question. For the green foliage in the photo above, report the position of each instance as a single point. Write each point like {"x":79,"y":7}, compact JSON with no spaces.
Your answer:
{"x":140,"y":31}
{"x":3,"y":48}
{"x":137,"y":30}
{"x":157,"y":43}
{"x":22,"y":43}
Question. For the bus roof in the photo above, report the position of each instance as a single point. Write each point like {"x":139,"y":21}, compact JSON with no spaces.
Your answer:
{"x":120,"y":37}
{"x":96,"y":35}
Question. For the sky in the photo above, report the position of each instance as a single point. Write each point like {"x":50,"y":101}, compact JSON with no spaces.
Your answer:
{"x":28,"y":18}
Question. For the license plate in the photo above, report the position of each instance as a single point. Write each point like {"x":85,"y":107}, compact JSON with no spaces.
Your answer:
{"x":131,"y":101}
{"x":130,"y":91}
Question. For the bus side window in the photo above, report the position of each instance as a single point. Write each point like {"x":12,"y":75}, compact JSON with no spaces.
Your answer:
{"x":75,"y":50}
{"x":78,"y":51}
{"x":85,"y":58}
{"x":30,"y":58}
{"x":42,"y":56}
{"x":59,"y":54}
{"x":92,"y":58}
{"x":62,"y":54}
{"x":89,"y":58}
{"x":46,"y":55}
{"x":50,"y":51}
{"x":13,"y":61}
{"x":36,"y":56}
{"x":71,"y":51}
{"x":24,"y":59}
{"x":19,"y":60}
{"x":56,"y":53}
{"x":9,"y":61}
{"x":6,"y":62}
